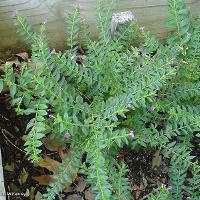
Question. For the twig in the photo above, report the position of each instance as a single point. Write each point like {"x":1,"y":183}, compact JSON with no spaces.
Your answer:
{"x":4,"y":131}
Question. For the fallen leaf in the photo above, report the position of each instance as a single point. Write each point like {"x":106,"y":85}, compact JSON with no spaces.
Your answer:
{"x":52,"y":145}
{"x":10,"y":167}
{"x":24,"y":137}
{"x":22,"y":56}
{"x":63,"y":154}
{"x":50,"y":164}
{"x":1,"y":70}
{"x":38,"y":196}
{"x":157,"y":159}
{"x":32,"y":193}
{"x":88,"y":195}
{"x":68,"y":189}
{"x":13,"y":188}
{"x":143,"y":183}
{"x":53,"y":166}
{"x":31,"y":64}
{"x":23,"y":176}
{"x":81,"y":185}
{"x":43,"y":179}
{"x":12,"y":63}
{"x":74,"y":197}
{"x":137,"y":194}
{"x":27,"y":193}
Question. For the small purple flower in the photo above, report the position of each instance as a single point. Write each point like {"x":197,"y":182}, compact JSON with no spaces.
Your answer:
{"x":14,"y":12}
{"x":152,"y":108}
{"x":77,"y":5}
{"x":133,"y":18}
{"x":67,"y":135}
{"x":132,"y":133}
{"x":141,"y":28}
{"x":45,"y":21}
{"x":143,"y":53}
{"x":170,"y":187}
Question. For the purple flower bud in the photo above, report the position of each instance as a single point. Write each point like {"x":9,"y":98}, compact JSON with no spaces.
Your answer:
{"x":14,"y":12}
{"x":170,"y":187}
{"x":77,"y":5}
{"x":152,"y":108}
{"x":141,"y":28}
{"x":45,"y":21}
{"x":132,"y":133}
{"x":67,"y":135}
{"x":143,"y":53}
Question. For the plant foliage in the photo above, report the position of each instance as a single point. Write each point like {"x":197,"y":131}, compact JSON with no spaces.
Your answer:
{"x":94,"y":102}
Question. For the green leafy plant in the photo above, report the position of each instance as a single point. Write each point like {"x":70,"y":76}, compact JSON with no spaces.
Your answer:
{"x":117,"y":95}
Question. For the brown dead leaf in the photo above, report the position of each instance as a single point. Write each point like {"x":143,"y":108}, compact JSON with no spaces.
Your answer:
{"x":74,"y":197}
{"x":31,"y":64}
{"x":32,"y":193}
{"x":137,"y":194}
{"x":52,"y":145}
{"x":81,"y":185}
{"x":50,"y":164}
{"x":23,"y":176}
{"x":1,"y":70}
{"x":63,"y":154}
{"x":53,"y":166}
{"x":13,"y":62}
{"x":24,"y":137}
{"x":10,"y":167}
{"x":43,"y":179}
{"x":157,"y":159}
{"x":27,"y":193}
{"x":12,"y":187}
{"x":22,"y":56}
{"x":38,"y":196}
{"x":88,"y":195}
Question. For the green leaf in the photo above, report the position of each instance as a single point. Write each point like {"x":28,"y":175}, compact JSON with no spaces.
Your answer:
{"x":29,"y":111}
{"x":39,"y":136}
{"x":42,"y":113}
{"x":13,"y":89}
{"x":1,"y":85}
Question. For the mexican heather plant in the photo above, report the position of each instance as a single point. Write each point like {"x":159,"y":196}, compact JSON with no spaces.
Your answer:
{"x":118,"y":94}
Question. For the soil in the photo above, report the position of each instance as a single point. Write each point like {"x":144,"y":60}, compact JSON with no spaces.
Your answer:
{"x":147,"y":170}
